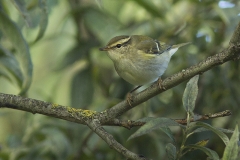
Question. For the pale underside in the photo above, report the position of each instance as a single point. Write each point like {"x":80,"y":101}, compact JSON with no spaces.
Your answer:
{"x":145,"y":69}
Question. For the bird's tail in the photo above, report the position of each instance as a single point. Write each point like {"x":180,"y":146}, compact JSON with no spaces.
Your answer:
{"x":174,"y":48}
{"x":180,"y":45}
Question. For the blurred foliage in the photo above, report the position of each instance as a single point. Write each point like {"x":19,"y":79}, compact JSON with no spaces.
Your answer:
{"x":61,"y":40}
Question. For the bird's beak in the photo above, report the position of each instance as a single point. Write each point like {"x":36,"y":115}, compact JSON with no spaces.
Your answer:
{"x":104,"y":48}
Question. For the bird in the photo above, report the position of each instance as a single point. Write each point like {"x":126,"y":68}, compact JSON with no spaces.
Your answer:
{"x":140,"y":59}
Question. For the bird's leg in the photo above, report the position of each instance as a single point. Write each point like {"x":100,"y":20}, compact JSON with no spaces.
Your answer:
{"x":160,"y":84}
{"x":129,"y":95}
{"x":135,"y":89}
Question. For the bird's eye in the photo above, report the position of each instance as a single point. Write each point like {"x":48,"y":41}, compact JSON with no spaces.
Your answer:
{"x":119,"y":45}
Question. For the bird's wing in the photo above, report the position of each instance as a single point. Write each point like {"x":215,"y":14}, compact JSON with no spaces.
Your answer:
{"x":153,"y":47}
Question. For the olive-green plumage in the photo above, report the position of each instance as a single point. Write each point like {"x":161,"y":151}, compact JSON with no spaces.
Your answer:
{"x":139,"y":59}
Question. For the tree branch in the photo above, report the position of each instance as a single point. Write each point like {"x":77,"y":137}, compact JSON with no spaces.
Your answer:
{"x":45,"y":108}
{"x":130,"y":124}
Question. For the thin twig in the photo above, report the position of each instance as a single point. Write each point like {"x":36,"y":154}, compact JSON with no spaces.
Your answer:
{"x":130,"y":124}
{"x":205,"y":117}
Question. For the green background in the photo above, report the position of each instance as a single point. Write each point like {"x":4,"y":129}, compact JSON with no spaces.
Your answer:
{"x":68,"y":69}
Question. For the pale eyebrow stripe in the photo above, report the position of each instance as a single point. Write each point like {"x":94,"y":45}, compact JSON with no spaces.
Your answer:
{"x":121,"y":41}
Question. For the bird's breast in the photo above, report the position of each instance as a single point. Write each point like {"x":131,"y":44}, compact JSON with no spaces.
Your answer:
{"x":140,"y":71}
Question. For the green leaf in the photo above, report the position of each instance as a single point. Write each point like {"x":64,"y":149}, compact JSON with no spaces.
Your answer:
{"x":153,"y":124}
{"x":146,"y":119}
{"x":44,"y":141}
{"x":211,"y":154}
{"x":222,"y":14}
{"x":44,"y":19}
{"x":82,"y":89}
{"x":223,"y":136}
{"x":190,"y":94}
{"x":10,"y":66}
{"x":11,"y":31}
{"x":21,"y":7}
{"x":80,"y":51}
{"x":201,"y":129}
{"x":171,"y":151}
{"x":93,"y":16}
{"x":150,"y":7}
{"x":168,"y":132}
{"x":202,"y":143}
{"x":231,"y":150}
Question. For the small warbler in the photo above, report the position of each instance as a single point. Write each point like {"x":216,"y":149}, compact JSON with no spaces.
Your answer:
{"x":139,"y":59}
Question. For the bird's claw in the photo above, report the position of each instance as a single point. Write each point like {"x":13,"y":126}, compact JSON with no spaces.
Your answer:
{"x":130,"y":99}
{"x":130,"y":96}
{"x":160,"y":84}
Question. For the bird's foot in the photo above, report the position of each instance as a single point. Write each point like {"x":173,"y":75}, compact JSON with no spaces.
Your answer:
{"x":130,"y":96}
{"x":129,"y":99}
{"x":160,"y":84}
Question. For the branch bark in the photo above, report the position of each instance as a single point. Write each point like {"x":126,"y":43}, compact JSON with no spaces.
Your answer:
{"x":45,"y":108}
{"x":130,"y":124}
